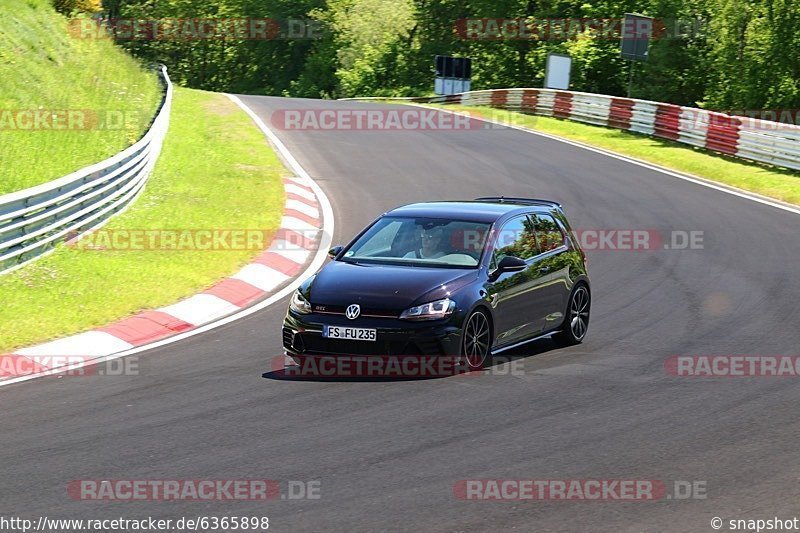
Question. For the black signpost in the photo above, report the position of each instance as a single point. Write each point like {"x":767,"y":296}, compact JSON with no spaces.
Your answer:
{"x":453,"y":74}
{"x":635,"y":40}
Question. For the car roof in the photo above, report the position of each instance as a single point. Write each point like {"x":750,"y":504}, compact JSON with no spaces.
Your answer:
{"x":481,"y":210}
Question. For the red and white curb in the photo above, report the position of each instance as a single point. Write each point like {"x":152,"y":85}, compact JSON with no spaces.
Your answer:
{"x":298,"y":249}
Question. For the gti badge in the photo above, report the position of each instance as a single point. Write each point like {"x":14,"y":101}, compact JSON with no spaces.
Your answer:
{"x":352,"y":311}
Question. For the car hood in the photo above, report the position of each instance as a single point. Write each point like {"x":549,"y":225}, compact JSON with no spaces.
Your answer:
{"x":383,"y":287}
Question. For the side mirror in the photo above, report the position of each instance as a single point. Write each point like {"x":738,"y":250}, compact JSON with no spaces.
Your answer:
{"x":333,"y":252}
{"x":508,"y":264}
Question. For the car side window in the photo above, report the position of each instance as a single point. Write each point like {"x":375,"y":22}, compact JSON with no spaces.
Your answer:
{"x":548,"y":233}
{"x":517,"y":237}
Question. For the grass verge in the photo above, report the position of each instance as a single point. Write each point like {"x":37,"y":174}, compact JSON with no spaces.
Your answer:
{"x":774,"y":182}
{"x":215,"y":171}
{"x":44,"y":69}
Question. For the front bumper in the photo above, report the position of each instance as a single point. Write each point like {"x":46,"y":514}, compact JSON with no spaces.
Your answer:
{"x":302,"y":336}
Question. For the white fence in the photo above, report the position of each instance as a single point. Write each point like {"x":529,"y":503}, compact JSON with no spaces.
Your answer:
{"x":33,"y":221}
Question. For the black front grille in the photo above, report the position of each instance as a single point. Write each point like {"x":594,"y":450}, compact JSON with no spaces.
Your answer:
{"x":318,"y":345}
{"x":365,"y":312}
{"x":288,"y":337}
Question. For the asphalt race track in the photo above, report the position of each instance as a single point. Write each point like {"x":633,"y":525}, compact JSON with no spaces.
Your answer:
{"x":387,"y":453}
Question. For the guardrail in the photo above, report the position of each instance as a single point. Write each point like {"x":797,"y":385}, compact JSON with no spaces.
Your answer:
{"x":33,"y":221}
{"x":749,"y":138}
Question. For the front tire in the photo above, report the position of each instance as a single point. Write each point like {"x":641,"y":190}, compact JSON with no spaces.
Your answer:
{"x":576,"y":322}
{"x":476,"y":341}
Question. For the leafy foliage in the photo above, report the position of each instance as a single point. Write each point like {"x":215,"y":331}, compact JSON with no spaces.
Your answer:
{"x":718,"y":53}
{"x":70,"y":7}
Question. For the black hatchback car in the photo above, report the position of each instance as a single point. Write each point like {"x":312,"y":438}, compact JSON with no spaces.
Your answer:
{"x":464,"y":279}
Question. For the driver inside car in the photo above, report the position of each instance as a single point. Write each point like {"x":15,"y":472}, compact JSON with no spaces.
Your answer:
{"x":431,"y":245}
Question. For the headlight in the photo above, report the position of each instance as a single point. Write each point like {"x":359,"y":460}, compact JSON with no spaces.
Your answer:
{"x":299,"y":304}
{"x":430,"y":311}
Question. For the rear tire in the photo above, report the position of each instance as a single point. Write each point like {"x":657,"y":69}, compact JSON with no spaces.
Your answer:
{"x":576,"y":323}
{"x":476,"y":341}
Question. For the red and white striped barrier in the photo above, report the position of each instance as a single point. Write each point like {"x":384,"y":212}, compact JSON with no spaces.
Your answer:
{"x":292,"y":248}
{"x":754,"y":139}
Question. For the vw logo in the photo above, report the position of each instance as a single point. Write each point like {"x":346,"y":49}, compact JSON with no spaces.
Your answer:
{"x":352,"y":311}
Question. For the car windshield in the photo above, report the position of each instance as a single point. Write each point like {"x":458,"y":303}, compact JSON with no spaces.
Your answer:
{"x":421,"y":241}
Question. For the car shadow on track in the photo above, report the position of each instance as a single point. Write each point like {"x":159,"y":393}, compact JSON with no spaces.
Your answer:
{"x":507,"y":362}
{"x":283,"y":375}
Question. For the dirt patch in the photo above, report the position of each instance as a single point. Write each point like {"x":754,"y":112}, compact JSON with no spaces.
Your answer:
{"x":220,"y":106}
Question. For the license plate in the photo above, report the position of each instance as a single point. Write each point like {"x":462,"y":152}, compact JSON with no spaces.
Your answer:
{"x":355,"y":334}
